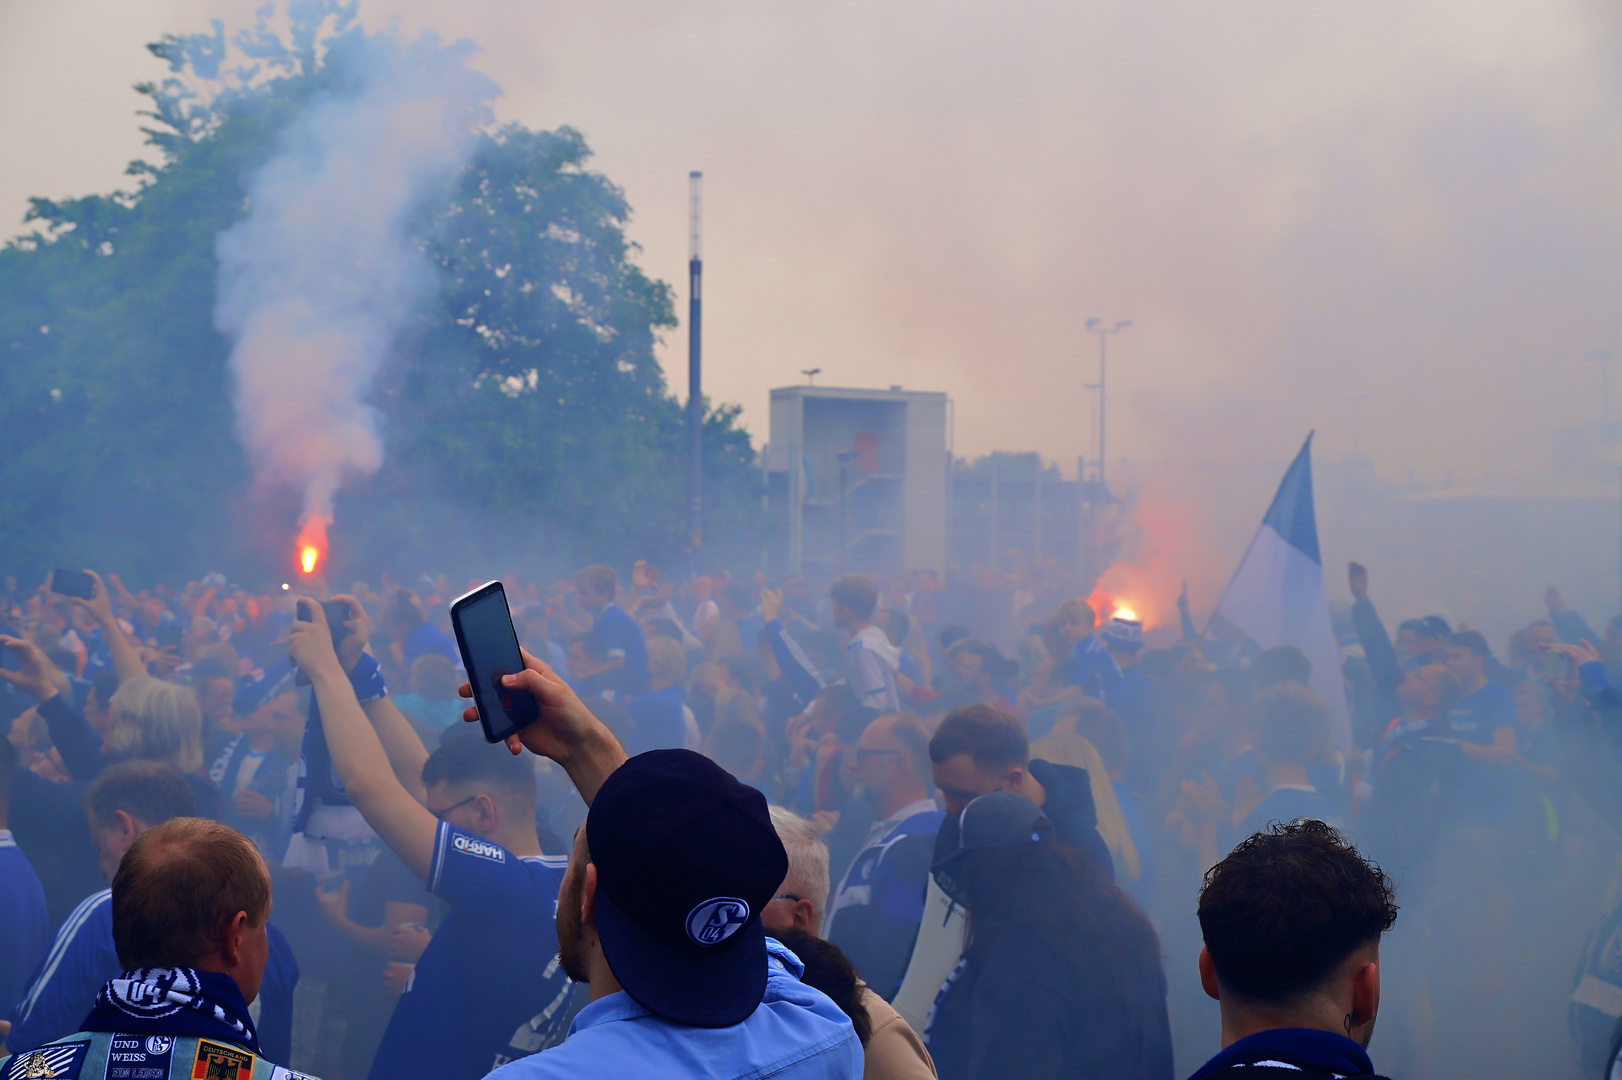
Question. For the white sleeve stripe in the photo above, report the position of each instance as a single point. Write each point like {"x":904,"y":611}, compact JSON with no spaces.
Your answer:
{"x":70,"y":928}
{"x":437,"y":866}
{"x":59,"y":948}
{"x":798,"y":653}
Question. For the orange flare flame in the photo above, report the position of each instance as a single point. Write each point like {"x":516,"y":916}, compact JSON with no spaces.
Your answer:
{"x":312,"y":545}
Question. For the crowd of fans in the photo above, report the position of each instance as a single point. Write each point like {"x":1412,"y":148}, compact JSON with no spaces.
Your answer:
{"x":992,"y":800}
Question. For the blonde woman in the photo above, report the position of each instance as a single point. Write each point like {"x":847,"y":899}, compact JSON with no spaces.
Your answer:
{"x":148,"y":719}
{"x":154,"y":720}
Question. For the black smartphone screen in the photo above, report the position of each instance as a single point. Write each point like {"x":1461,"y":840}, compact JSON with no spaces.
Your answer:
{"x":336,"y":611}
{"x":73,"y":583}
{"x":489,"y":647}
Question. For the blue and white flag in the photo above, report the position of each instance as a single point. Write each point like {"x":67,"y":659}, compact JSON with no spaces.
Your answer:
{"x":1277,"y":595}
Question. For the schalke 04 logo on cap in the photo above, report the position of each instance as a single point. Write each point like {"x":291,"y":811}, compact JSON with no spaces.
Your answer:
{"x":716,"y":919}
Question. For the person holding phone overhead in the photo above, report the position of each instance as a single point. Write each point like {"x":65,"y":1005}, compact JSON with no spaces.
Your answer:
{"x":489,"y":987}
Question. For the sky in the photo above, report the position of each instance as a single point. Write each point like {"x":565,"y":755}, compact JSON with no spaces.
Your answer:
{"x":1396,"y":223}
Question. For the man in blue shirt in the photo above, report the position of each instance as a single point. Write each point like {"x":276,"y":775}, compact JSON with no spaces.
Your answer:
{"x":874,"y":912}
{"x":660,"y":914}
{"x":125,"y":802}
{"x":619,"y":638}
{"x":1292,"y":922}
{"x":657,"y":719}
{"x":489,"y":987}
{"x":22,"y":898}
{"x":1484,"y":722}
{"x":795,"y":668}
{"x":1133,"y":696}
{"x":413,"y":635}
{"x":1292,"y":735}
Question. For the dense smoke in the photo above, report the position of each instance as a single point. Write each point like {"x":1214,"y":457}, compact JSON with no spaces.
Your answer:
{"x":318,"y":280}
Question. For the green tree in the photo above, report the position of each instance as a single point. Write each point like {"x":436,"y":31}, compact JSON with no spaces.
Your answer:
{"x":526,"y":418}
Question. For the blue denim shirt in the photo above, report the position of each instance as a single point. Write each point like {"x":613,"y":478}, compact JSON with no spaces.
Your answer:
{"x":797,"y":1033}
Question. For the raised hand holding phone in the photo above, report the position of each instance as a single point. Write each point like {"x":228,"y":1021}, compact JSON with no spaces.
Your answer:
{"x":33,"y":676}
{"x":309,"y":640}
{"x":73,"y":583}
{"x":351,"y":628}
{"x":489,"y":647}
{"x":564,"y":730}
{"x":1581,"y":652}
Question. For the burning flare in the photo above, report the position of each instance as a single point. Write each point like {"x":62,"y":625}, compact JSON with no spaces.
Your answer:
{"x":312,"y":545}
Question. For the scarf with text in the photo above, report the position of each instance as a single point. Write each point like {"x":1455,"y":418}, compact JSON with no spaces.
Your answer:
{"x":174,"y":1001}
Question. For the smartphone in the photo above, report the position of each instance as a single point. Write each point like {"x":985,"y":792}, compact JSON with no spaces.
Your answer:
{"x":336,"y":611}
{"x":73,"y":583}
{"x":484,"y":634}
{"x":1556,"y":665}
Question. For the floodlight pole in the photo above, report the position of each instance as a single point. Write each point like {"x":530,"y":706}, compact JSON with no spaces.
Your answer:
{"x":695,"y":372}
{"x":1095,"y":326}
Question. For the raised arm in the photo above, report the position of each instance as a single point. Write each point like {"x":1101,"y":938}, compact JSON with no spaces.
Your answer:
{"x":798,"y":671}
{"x":407,"y":755}
{"x":357,"y":751}
{"x":75,"y":739}
{"x":126,"y":661}
{"x":1185,"y":618}
{"x":566,"y":731}
{"x":1590,"y":735}
{"x":1568,"y":624}
{"x":1371,"y":633}
{"x":404,"y":748}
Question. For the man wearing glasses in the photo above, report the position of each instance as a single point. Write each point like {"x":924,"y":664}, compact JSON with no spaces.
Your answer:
{"x":489,"y":987}
{"x":874,"y":914}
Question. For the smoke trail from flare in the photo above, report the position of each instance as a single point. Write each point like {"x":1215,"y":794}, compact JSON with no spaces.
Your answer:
{"x":317,"y":281}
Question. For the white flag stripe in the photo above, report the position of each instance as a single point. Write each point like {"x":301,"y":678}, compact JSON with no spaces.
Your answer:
{"x":1277,"y":596}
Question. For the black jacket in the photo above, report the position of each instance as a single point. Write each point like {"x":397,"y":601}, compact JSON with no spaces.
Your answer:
{"x":1069,"y":805}
{"x":1018,"y":1009}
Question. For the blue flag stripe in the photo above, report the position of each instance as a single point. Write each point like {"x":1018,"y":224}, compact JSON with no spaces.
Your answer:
{"x":1291,"y":514}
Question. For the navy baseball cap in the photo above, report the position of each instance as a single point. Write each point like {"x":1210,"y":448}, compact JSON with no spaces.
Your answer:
{"x":1000,"y":819}
{"x":686,"y":858}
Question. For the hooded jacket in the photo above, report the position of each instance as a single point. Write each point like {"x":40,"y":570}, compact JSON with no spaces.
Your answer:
{"x":873,"y":662}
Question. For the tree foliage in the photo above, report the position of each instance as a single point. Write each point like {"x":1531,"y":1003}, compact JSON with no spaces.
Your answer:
{"x":526,"y":419}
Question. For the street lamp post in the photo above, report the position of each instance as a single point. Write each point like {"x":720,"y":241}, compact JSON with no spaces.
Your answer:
{"x":695,"y":369}
{"x":1607,"y":433}
{"x":1096,"y":326}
